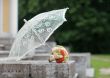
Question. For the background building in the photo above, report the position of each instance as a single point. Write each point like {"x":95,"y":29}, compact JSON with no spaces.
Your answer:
{"x":8,"y":18}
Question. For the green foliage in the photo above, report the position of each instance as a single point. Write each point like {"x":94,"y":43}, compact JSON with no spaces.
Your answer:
{"x":87,"y":28}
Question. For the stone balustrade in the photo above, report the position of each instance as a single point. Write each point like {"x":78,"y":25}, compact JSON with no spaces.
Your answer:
{"x":82,"y":61}
{"x":36,"y":69}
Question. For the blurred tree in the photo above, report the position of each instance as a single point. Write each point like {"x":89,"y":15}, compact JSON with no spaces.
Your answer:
{"x":88,"y":25}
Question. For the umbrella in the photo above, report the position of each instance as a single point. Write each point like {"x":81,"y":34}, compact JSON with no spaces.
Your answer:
{"x":36,"y":32}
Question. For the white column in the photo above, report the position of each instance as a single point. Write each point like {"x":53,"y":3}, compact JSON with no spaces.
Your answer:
{"x":1,"y":11}
{"x":13,"y":17}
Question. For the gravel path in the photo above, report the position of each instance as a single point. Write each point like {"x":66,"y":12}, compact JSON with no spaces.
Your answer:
{"x":105,"y":71}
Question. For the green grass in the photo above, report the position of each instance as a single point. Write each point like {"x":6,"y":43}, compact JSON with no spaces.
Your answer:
{"x":98,"y":62}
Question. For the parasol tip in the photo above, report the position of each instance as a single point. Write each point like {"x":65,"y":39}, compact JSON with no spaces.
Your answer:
{"x":67,"y":8}
{"x":25,"y":20}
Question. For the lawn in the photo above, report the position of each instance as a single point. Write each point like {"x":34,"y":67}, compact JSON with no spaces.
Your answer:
{"x":99,"y":62}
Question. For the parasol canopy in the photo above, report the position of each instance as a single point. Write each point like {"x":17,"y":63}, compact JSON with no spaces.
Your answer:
{"x":36,"y":32}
